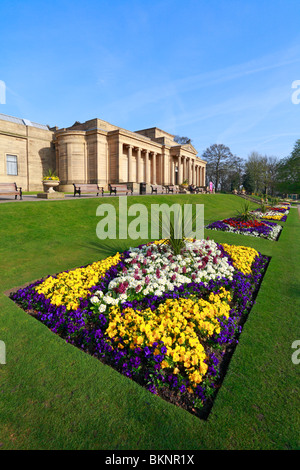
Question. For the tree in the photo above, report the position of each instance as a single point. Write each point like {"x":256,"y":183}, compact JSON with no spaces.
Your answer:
{"x":254,"y":168}
{"x":217,"y":157}
{"x":231,"y":174}
{"x":288,"y":174}
{"x":270,"y":169}
{"x":260,"y":173}
{"x":248,"y":183}
{"x":182,"y":140}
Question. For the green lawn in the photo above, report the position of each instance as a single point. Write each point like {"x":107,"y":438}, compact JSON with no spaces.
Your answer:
{"x":54,"y":396}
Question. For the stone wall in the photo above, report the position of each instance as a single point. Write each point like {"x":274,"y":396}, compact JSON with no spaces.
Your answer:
{"x":34,"y":150}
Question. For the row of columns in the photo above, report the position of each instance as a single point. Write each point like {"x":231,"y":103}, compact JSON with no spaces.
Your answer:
{"x":188,"y":169}
{"x":147,"y":177}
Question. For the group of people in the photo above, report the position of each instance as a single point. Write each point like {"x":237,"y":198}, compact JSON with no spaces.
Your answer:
{"x":194,"y":189}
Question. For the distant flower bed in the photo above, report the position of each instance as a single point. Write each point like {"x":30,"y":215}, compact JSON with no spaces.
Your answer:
{"x":254,"y":228}
{"x":278,"y":212}
{"x":165,"y":321}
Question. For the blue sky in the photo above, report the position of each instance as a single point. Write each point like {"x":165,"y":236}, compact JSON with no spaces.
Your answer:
{"x":217,"y":71}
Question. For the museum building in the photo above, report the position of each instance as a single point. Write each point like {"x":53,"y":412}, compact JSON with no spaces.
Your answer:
{"x":94,"y":152}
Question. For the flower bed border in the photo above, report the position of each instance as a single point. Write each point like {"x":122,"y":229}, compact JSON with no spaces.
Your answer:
{"x":280,"y":208}
{"x":225,"y":227}
{"x":223,"y":357}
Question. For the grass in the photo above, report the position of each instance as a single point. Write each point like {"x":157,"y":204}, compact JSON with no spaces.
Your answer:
{"x":53,"y":396}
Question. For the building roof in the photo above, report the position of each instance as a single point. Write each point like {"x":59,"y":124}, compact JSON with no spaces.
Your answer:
{"x":24,"y":122}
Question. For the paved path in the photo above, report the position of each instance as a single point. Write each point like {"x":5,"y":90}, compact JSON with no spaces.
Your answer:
{"x":70,"y":197}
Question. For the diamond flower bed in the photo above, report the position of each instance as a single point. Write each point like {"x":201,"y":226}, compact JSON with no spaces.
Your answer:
{"x":168,"y":322}
{"x":254,"y":228}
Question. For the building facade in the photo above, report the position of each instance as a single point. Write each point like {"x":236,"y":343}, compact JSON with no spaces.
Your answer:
{"x":94,"y":152}
{"x":27,"y":151}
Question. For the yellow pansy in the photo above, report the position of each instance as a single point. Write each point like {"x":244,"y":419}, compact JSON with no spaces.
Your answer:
{"x":68,"y":287}
{"x":242,"y":256}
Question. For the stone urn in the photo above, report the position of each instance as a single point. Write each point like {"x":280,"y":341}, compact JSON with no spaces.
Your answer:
{"x":183,"y":188}
{"x":49,"y":185}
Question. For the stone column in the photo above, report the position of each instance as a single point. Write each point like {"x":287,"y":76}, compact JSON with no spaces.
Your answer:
{"x":164,"y":172}
{"x":190,"y":171}
{"x":147,"y":167}
{"x":138,"y":166}
{"x":129,"y":154}
{"x":160,"y":169}
{"x":119,"y":176}
{"x":179,"y":170}
{"x":184,"y":168}
{"x":154,"y":167}
{"x":172,"y":171}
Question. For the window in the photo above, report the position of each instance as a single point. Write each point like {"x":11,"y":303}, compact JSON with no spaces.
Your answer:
{"x":11,"y":164}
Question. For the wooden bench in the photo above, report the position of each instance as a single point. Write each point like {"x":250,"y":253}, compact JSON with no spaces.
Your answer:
{"x":157,"y":188}
{"x":10,"y":189}
{"x":173,"y":188}
{"x":119,"y":188}
{"x":87,"y":189}
{"x":200,"y":189}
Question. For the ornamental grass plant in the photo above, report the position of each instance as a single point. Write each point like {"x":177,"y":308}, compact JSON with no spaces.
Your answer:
{"x":245,"y":214}
{"x":51,"y":175}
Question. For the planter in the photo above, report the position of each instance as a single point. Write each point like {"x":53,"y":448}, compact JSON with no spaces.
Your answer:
{"x":49,"y":185}
{"x":183,"y":188}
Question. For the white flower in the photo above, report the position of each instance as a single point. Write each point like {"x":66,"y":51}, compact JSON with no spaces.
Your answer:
{"x":99,"y":293}
{"x":107,"y":298}
{"x":94,"y":299}
{"x":102,"y":308}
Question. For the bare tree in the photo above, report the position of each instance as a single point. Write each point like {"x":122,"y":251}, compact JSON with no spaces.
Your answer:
{"x":218,"y":156}
{"x":232,"y":174}
{"x":254,"y":168}
{"x":261,"y":173}
{"x":182,"y":140}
